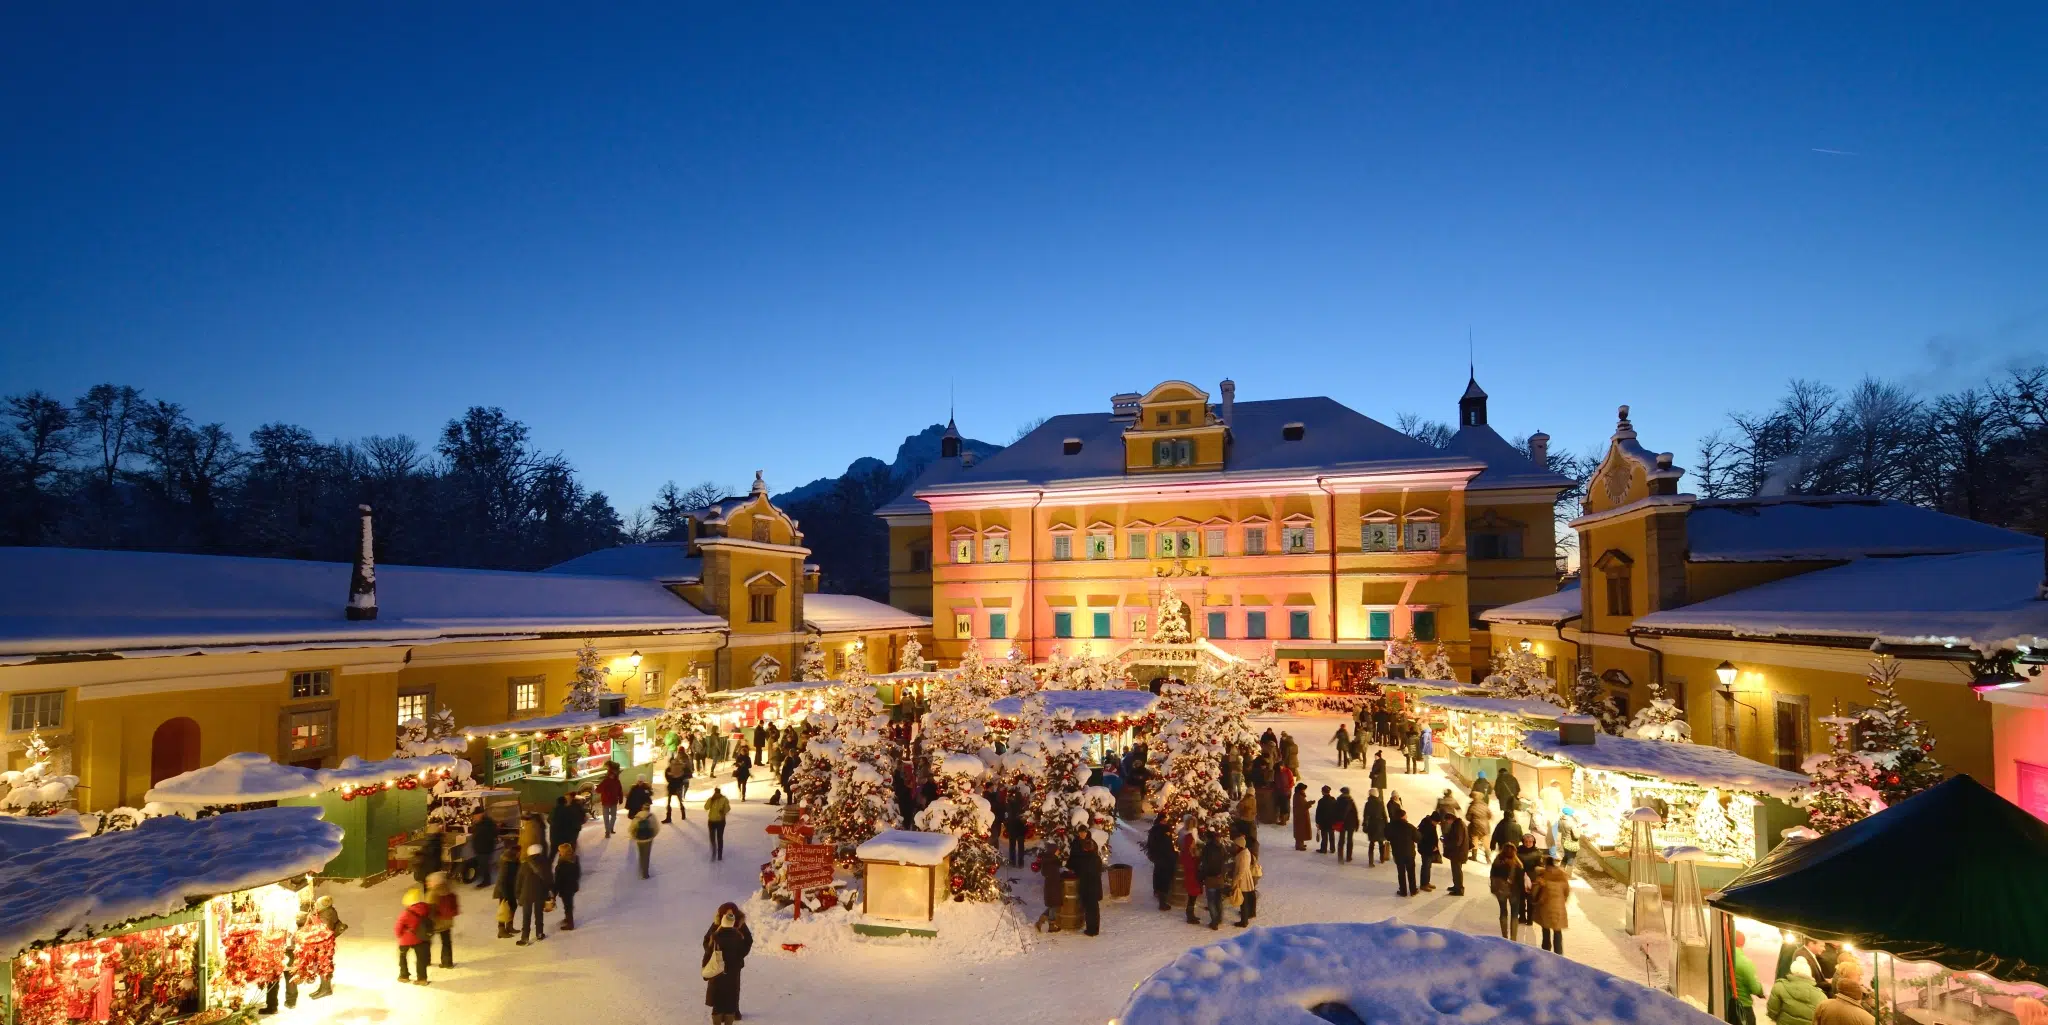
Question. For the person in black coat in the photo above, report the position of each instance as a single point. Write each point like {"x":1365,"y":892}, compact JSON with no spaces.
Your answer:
{"x":1532,"y":859}
{"x":1344,"y":824}
{"x":565,"y":821}
{"x":1428,"y":845}
{"x":1016,"y":823}
{"x":1217,"y":862}
{"x":428,"y":858}
{"x":1457,"y":847}
{"x":1507,"y":833}
{"x":1506,"y":790}
{"x":1375,"y":825}
{"x":1159,"y":848}
{"x":483,"y":848}
{"x":1326,"y":813}
{"x":568,"y":879}
{"x":732,"y":939}
{"x":1378,"y":776}
{"x":1404,"y":838}
{"x":536,"y":885}
{"x":742,"y":768}
{"x":639,"y":798}
{"x":1085,"y":861}
{"x":507,"y":890}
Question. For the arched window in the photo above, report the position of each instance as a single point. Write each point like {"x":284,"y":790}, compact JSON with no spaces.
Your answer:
{"x":174,"y":749}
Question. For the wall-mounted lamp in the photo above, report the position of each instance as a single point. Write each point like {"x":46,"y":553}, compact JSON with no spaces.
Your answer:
{"x":1526,"y":644}
{"x":1726,"y":673}
{"x":634,"y":660}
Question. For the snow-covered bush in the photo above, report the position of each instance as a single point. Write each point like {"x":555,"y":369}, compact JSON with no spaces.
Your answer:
{"x":1660,"y":719}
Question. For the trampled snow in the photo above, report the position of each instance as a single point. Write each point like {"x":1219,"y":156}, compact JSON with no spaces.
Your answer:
{"x":1697,"y":764}
{"x":1388,"y":973}
{"x":154,"y":869}
{"x":909,"y":846}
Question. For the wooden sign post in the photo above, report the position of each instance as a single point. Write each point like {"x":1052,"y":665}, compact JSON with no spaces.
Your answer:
{"x":806,"y":866}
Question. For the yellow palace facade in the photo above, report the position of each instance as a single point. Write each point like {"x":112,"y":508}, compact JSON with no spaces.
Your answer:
{"x":1296,"y":524}
{"x":136,"y":666}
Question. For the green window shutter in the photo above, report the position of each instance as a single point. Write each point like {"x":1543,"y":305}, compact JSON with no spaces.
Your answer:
{"x":1255,"y":625}
{"x":1379,"y":625}
{"x":1218,"y":625}
{"x":1425,"y":625}
{"x":1063,"y":624}
{"x":998,"y":625}
{"x":1101,"y":623}
{"x":1297,"y":625}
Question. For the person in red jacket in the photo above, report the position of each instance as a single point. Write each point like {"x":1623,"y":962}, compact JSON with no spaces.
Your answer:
{"x":1190,"y":870}
{"x":415,"y":930}
{"x":609,"y":793}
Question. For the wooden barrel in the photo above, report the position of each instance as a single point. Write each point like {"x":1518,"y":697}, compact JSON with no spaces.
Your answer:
{"x":1070,"y":904}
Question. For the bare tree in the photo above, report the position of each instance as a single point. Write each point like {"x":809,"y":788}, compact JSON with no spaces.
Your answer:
{"x":1026,"y":428}
{"x":1434,"y":433}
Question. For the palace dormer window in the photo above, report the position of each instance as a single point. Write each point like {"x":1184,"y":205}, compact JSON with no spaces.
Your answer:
{"x":1379,"y":532}
{"x":963,"y":549}
{"x":1617,"y":578}
{"x":1173,"y":451}
{"x":995,"y":546}
{"x":1099,"y":545}
{"x":1421,"y":532}
{"x":1255,"y":540}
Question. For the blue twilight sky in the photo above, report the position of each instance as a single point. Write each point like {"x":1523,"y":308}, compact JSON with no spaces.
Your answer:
{"x":688,"y":240}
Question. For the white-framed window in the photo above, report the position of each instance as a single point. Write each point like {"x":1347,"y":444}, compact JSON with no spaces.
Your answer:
{"x":414,"y":704}
{"x":1255,"y":540}
{"x":1062,"y":547}
{"x":963,"y":550}
{"x":1424,"y":536}
{"x":35,"y":711}
{"x":525,"y":693}
{"x":995,"y":549}
{"x":1378,"y":537}
{"x":308,"y":733}
{"x":1137,"y":549}
{"x":1176,"y":544}
{"x":1212,"y":542}
{"x":650,"y":683}
{"x":963,"y":624}
{"x":317,"y":683}
{"x":1297,"y":540}
{"x":1099,"y":546}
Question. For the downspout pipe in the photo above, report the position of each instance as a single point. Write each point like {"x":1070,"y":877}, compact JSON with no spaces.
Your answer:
{"x":1323,"y":483}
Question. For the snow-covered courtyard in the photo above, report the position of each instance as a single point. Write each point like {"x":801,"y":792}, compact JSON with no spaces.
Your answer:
{"x":635,"y":953}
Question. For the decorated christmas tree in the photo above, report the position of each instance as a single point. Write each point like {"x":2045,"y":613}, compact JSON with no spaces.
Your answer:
{"x":433,"y":735}
{"x":1264,"y":684}
{"x":912,"y":660}
{"x":1590,"y":697}
{"x":962,"y":811}
{"x":1401,"y":652}
{"x":1520,"y":674}
{"x":810,"y":667}
{"x":1087,"y":671}
{"x":683,"y":713}
{"x":589,"y":681}
{"x":860,"y":802}
{"x":1840,"y":792}
{"x":973,"y":670}
{"x":1199,"y":719}
{"x":1898,"y":747}
{"x":856,"y":674}
{"x":812,"y":784}
{"x":766,"y":670}
{"x":1064,"y":753}
{"x":956,"y":716}
{"x":1660,"y":719}
{"x":1438,"y":665}
{"x":1713,"y":826}
{"x":1172,"y":627}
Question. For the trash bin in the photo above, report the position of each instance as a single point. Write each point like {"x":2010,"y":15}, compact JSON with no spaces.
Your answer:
{"x":1130,"y":805}
{"x":1119,"y":882}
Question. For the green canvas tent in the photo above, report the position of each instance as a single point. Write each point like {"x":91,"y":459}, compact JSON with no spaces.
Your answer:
{"x":1956,"y":875}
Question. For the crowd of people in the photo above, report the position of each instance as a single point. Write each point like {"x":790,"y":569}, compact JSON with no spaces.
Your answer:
{"x":1815,"y":983}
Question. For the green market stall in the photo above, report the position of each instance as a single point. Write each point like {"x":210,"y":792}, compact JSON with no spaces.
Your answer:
{"x":1474,"y":733}
{"x":381,"y":806}
{"x":176,"y":920}
{"x":547,"y":757}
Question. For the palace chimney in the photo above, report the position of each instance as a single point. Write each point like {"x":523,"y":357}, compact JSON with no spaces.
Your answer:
{"x":362,"y":582}
{"x":1229,"y":390}
{"x":1539,"y":449}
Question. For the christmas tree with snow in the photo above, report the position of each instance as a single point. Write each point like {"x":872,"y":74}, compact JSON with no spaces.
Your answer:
{"x":1087,"y":671}
{"x":860,"y":801}
{"x":856,"y":674}
{"x":433,"y":735}
{"x":1660,"y":719}
{"x":810,"y":666}
{"x":1840,"y":792}
{"x":589,"y":681}
{"x":1263,"y":684}
{"x":1898,"y":747}
{"x":1401,"y":652}
{"x":682,"y":714}
{"x":956,"y":716}
{"x":811,"y":785}
{"x":962,"y":811}
{"x":1200,"y":718}
{"x":1520,"y":674}
{"x":1438,"y":665}
{"x":1172,"y":627}
{"x":1063,"y":751}
{"x":912,"y":660}
{"x":1590,"y":697}
{"x":766,"y":670}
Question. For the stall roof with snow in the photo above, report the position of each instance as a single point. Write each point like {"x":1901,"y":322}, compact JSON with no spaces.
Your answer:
{"x":354,"y":771}
{"x":1527,"y":708}
{"x":631,"y":715}
{"x":908,"y":846}
{"x":1389,"y":973}
{"x":247,"y":778}
{"x":1984,"y":601}
{"x":782,"y":688}
{"x":66,"y":890}
{"x":20,"y":833}
{"x":78,"y":601}
{"x":1084,"y":705}
{"x":851,"y":613}
{"x":1696,"y":764}
{"x":1548,"y":610}
{"x":1419,"y":684}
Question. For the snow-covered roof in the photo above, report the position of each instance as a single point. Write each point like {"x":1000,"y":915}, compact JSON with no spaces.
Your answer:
{"x":247,"y":777}
{"x":1548,"y":610}
{"x":909,"y":846}
{"x":1334,"y":437}
{"x":1506,"y":466}
{"x":1527,"y":708}
{"x":1697,"y":764}
{"x":20,"y":833}
{"x":939,"y":471}
{"x":1084,"y":705}
{"x":63,"y":601}
{"x":1984,"y":601}
{"x":669,"y":562}
{"x":780,"y":688}
{"x":566,"y":721}
{"x":1390,"y":973}
{"x":159,"y":867}
{"x":1809,"y":527}
{"x":851,"y":613}
{"x":1419,"y":684}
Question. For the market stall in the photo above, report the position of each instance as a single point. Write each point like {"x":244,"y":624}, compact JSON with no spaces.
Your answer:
{"x":1475,"y":734}
{"x":782,"y":703}
{"x":1728,"y":806}
{"x":548,"y":756}
{"x":1949,"y":931}
{"x":1101,"y":715}
{"x":175,"y":920}
{"x":380,"y":806}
